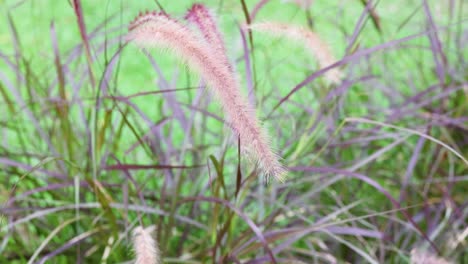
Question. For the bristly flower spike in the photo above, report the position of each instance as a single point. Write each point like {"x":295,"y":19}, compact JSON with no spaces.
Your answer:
{"x":159,"y":30}
{"x":204,"y":20}
{"x":146,"y":248}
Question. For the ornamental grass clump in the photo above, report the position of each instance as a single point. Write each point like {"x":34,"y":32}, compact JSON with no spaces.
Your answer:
{"x":207,"y":57}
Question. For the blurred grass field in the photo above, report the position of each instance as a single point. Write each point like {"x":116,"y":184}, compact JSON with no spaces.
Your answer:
{"x":377,"y":164}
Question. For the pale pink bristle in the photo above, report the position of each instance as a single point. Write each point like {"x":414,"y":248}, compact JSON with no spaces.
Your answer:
{"x":214,"y":67}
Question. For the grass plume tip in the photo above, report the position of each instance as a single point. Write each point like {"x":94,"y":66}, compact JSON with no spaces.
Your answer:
{"x":158,"y":30}
{"x":146,"y":248}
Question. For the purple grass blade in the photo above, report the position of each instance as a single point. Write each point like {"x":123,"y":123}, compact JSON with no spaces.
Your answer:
{"x":138,"y":208}
{"x":105,"y":80}
{"x":374,"y":184}
{"x":436,"y":45}
{"x":257,"y":8}
{"x":152,"y":131}
{"x":74,"y":241}
{"x":347,"y":59}
{"x":244,"y":217}
{"x":33,"y":119}
{"x":49,"y":187}
{"x":359,"y":26}
{"x":170,"y":97}
{"x":13,"y":163}
{"x":76,"y":51}
{"x":411,"y":166}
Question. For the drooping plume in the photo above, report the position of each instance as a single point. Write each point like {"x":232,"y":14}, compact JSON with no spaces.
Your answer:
{"x":146,"y":248}
{"x":159,"y":30}
{"x":201,"y":16}
{"x":319,"y":49}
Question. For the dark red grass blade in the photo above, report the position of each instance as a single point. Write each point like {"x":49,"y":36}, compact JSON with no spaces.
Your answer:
{"x":247,"y":19}
{"x":373,"y":14}
{"x":81,"y":24}
{"x":148,"y":167}
{"x":359,"y":26}
{"x":58,"y":64}
{"x":239,"y":172}
{"x":257,"y":8}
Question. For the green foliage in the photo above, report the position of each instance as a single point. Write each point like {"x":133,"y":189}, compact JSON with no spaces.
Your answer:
{"x":82,"y":164}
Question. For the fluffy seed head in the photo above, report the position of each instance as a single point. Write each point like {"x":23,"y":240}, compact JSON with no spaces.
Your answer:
{"x":204,"y":20}
{"x":158,"y":30}
{"x":146,"y":248}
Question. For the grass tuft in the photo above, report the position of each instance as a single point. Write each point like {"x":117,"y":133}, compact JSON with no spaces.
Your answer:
{"x":99,"y":141}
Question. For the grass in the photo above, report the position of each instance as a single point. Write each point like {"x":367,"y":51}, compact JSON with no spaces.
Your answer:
{"x":94,"y":146}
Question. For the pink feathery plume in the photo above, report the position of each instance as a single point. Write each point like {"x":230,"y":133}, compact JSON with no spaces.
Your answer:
{"x":206,"y":23}
{"x":159,"y":30}
{"x":146,"y":248}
